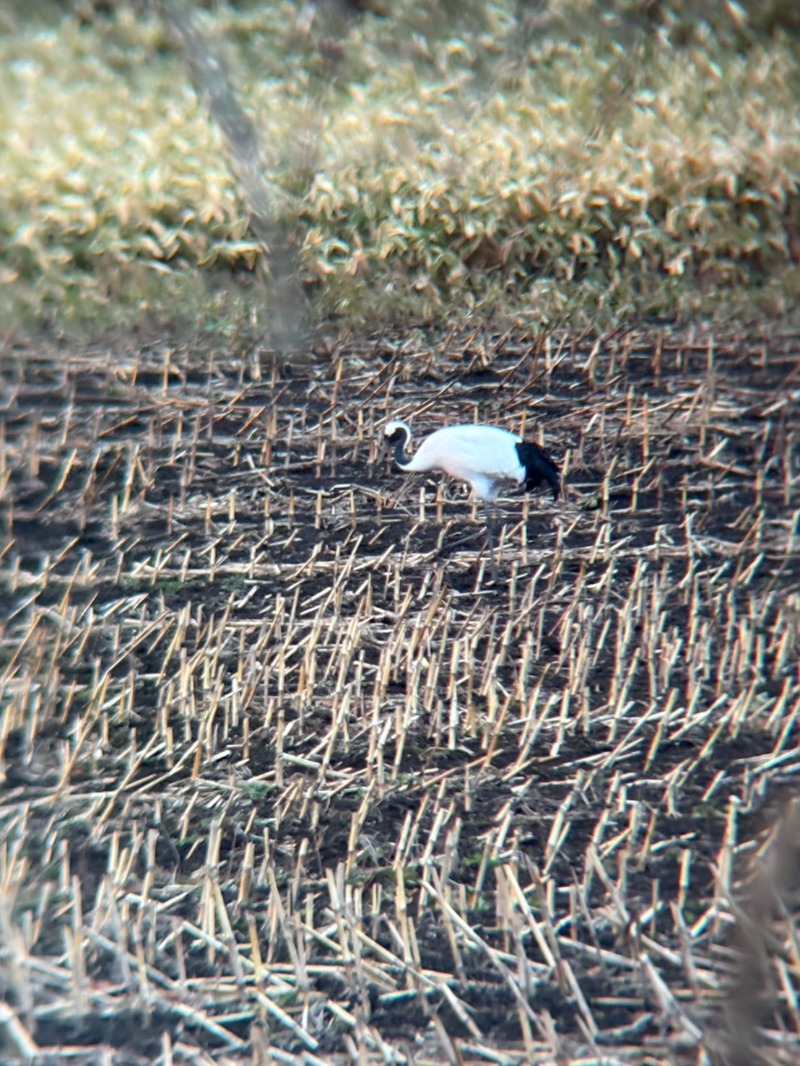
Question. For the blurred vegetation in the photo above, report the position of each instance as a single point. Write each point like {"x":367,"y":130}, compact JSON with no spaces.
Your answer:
{"x":563,"y":161}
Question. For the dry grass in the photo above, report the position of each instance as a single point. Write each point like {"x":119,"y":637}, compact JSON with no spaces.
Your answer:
{"x":287,"y":779}
{"x":418,"y":163}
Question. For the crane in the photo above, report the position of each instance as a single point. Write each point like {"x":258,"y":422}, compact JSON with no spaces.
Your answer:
{"x":483,"y":456}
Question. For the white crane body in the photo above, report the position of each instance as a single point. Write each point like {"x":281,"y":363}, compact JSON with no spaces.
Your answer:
{"x":483,"y":456}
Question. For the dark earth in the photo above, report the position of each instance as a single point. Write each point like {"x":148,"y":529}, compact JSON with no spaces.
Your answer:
{"x":256,"y":702}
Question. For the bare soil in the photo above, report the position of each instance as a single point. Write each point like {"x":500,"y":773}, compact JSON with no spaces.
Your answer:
{"x":288,"y":778}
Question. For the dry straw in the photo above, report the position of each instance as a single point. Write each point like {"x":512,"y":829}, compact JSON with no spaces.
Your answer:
{"x":285,"y":771}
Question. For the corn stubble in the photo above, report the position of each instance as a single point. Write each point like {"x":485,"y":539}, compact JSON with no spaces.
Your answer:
{"x":288,"y":779}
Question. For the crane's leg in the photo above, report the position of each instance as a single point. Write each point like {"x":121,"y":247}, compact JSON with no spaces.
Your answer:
{"x":489,"y":508}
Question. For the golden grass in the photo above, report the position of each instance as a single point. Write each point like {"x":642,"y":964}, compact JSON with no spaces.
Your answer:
{"x":477,"y":162}
{"x":288,"y":779}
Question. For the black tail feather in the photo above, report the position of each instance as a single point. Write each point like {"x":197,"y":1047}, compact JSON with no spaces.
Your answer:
{"x":539,"y":467}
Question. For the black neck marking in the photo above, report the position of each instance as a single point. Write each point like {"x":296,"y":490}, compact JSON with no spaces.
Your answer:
{"x":398,"y":442}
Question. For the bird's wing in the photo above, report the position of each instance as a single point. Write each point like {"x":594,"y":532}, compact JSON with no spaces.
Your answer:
{"x":467,"y":451}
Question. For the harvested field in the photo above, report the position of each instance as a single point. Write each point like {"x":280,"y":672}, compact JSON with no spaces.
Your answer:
{"x":289,"y":779}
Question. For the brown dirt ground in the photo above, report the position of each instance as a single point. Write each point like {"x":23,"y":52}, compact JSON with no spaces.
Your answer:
{"x":288,"y":778}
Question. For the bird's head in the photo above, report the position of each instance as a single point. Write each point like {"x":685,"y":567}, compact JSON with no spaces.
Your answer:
{"x":396,"y":433}
{"x":396,"y":438}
